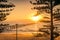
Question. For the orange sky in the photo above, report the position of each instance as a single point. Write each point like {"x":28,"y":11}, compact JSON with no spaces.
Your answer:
{"x":21,"y":12}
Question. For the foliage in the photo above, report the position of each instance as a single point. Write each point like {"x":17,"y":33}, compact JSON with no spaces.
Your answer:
{"x":45,"y":5}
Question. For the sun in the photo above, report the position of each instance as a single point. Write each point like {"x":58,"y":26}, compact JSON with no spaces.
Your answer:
{"x":37,"y":18}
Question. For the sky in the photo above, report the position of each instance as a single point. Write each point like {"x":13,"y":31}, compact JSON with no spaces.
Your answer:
{"x":21,"y":12}
{"x":21,"y":15}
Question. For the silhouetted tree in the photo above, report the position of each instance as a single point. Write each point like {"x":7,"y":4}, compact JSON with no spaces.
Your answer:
{"x":48,"y":7}
{"x":5,"y":8}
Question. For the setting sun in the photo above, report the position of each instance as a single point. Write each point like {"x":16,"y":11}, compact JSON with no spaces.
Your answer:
{"x":37,"y":18}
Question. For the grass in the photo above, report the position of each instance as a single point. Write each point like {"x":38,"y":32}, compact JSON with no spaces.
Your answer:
{"x":20,"y":37}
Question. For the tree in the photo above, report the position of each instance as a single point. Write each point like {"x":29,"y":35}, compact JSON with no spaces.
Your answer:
{"x":48,"y":7}
{"x":5,"y":9}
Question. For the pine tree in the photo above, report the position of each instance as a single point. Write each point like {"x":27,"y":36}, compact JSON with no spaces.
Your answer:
{"x":5,"y":8}
{"x":48,"y":7}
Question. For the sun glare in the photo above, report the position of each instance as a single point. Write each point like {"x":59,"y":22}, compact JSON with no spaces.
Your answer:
{"x":37,"y":18}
